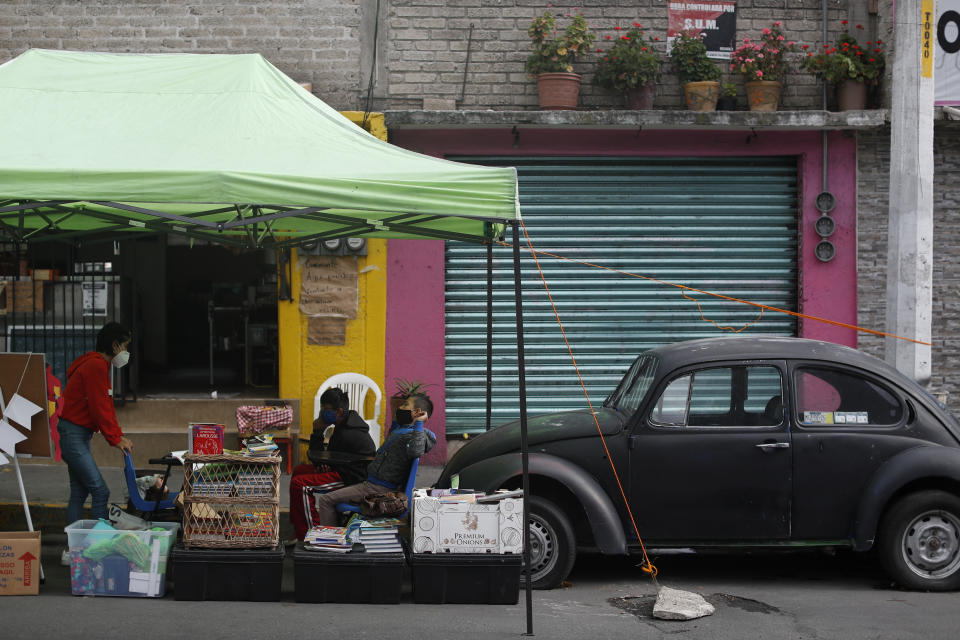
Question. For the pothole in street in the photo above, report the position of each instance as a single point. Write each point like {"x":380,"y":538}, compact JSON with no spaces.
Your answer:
{"x":642,"y":606}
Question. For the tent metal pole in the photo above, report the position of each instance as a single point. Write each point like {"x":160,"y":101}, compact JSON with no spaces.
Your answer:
{"x":489,"y":332}
{"x":524,"y":454}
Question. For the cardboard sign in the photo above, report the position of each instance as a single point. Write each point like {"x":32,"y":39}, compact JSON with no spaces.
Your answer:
{"x":327,"y":331}
{"x":714,"y":20}
{"x":328,"y":287}
{"x":466,"y":527}
{"x":206,"y":439}
{"x":19,"y":563}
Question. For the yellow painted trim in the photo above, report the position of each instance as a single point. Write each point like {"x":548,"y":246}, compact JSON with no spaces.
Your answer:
{"x":304,"y":367}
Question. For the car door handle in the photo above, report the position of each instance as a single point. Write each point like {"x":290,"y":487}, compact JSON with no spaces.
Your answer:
{"x":773,"y":445}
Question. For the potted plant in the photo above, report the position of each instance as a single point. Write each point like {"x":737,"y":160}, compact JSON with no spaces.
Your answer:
{"x":631,"y":67}
{"x":728,"y":97}
{"x":405,"y":389}
{"x":553,"y":57}
{"x":698,"y":74}
{"x":763,"y":65}
{"x":849,"y":67}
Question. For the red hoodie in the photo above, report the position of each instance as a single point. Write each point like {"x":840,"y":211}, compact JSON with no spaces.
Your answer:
{"x":86,"y":399}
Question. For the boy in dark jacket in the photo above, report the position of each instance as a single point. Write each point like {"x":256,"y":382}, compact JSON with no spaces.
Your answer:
{"x":350,"y":435}
{"x":406,"y":441}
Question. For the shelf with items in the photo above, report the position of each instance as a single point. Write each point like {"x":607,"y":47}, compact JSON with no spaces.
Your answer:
{"x":230,"y":501}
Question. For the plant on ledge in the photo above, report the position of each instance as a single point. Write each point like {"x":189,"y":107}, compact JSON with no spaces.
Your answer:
{"x":553,"y":57}
{"x":631,"y":67}
{"x":849,"y":66}
{"x":763,"y":66}
{"x":698,"y":74}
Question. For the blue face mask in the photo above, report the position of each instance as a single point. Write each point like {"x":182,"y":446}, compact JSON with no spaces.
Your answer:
{"x":328,"y":416}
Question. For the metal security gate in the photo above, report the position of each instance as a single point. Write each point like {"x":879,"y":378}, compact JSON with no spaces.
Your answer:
{"x":725,"y":225}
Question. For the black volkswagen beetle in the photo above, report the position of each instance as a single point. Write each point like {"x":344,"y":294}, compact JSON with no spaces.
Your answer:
{"x":743,"y":441}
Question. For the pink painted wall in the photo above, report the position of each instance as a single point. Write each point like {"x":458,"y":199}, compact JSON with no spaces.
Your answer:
{"x":415,"y":347}
{"x":415,"y":327}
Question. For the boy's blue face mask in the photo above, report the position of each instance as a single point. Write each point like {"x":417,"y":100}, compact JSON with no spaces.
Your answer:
{"x":328,"y":416}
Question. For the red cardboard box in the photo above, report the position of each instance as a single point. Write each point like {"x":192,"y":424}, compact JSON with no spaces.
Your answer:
{"x":206,"y":438}
{"x":19,"y":563}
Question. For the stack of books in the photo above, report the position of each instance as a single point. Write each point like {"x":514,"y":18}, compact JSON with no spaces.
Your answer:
{"x":321,"y":538}
{"x":260,"y":445}
{"x":378,"y":535}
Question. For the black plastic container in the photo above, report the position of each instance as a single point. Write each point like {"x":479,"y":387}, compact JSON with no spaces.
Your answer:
{"x":466,"y":578}
{"x":227,"y":574}
{"x":325,"y":576}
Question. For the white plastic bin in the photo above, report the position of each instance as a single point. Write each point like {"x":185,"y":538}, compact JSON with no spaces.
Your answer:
{"x":107,"y":562}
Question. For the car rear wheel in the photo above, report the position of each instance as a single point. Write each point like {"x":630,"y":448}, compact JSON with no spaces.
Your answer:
{"x":919,"y":541}
{"x":553,"y":547}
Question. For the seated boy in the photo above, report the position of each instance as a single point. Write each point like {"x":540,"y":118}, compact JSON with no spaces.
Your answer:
{"x":390,"y":468}
{"x":350,"y":435}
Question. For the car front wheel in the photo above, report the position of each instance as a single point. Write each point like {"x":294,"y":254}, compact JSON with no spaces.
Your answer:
{"x":553,"y":547}
{"x":919,"y":541}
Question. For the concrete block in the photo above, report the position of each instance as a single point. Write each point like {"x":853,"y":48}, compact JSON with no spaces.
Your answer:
{"x":673,"y":604}
{"x":439,"y":104}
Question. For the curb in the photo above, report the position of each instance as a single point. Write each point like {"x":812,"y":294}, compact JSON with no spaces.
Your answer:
{"x":50,"y":518}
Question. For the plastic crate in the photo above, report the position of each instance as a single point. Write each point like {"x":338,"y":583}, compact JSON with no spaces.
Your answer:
{"x":323,"y":576}
{"x":105,"y":562}
{"x":466,"y":578}
{"x":253,"y":575}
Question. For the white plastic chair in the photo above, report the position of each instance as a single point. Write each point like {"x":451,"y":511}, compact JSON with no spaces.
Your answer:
{"x":357,"y":386}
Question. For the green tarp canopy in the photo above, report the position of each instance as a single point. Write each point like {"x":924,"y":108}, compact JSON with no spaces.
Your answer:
{"x":219,"y":147}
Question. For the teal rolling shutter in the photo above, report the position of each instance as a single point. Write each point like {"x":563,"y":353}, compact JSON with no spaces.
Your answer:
{"x":726,"y":225}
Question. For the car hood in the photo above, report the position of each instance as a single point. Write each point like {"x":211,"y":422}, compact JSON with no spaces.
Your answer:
{"x":566,"y":425}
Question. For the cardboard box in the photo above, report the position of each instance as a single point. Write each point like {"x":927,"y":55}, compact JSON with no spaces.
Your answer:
{"x":19,"y":563}
{"x":459,"y":527}
{"x":206,"y":439}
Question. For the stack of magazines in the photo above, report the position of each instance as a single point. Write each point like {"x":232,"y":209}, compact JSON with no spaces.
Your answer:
{"x":260,"y":445}
{"x":321,"y":538}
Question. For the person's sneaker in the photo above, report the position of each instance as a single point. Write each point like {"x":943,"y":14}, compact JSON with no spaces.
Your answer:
{"x":65,"y":558}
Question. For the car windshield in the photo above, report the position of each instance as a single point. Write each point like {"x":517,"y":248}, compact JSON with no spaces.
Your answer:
{"x":634,"y":386}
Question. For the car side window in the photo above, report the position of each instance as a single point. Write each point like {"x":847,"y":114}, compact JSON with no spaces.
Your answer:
{"x":740,"y":396}
{"x":831,"y":397}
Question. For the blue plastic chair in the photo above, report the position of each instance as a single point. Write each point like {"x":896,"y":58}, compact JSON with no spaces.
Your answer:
{"x":346,"y":507}
{"x":146,"y":506}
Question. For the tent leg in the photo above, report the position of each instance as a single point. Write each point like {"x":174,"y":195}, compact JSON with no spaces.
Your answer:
{"x":489,"y":332}
{"x":524,"y":455}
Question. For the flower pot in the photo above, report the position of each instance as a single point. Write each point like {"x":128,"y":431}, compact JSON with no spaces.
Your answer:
{"x":763,"y":95}
{"x":727,"y":103}
{"x":851,"y":95}
{"x":558,"y":91}
{"x":641,"y":98}
{"x":701,"y":96}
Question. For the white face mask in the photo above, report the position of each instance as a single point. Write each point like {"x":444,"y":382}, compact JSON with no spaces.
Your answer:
{"x":121,"y":359}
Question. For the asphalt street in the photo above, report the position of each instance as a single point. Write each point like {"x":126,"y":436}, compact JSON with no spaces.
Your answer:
{"x":809,"y":596}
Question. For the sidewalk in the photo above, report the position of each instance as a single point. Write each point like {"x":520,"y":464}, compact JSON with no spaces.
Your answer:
{"x":48,"y":489}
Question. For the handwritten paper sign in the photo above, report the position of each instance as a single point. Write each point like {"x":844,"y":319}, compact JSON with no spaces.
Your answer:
{"x":329,"y":287}
{"x":327,"y":331}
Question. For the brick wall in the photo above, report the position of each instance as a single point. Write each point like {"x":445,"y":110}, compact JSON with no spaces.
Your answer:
{"x":423,"y":43}
{"x":873,"y":157}
{"x":428,"y":43}
{"x":316,"y":41}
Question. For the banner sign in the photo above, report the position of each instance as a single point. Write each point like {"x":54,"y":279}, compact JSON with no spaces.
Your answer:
{"x":947,"y":53}
{"x":714,"y":20}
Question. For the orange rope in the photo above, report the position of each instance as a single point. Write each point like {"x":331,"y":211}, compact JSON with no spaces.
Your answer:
{"x":732,"y":299}
{"x":714,"y":322}
{"x":648,"y":566}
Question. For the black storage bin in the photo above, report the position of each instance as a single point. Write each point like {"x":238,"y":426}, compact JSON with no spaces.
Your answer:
{"x":227,"y":574}
{"x":326,"y":576}
{"x":466,"y":578}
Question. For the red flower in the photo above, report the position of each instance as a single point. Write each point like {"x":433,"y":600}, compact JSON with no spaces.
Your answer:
{"x":624,"y":37}
{"x":607,"y":37}
{"x":843,"y":22}
{"x":809,"y":55}
{"x":637,"y":25}
{"x":655,"y":38}
{"x":599,"y":50}
{"x":868,"y":42}
{"x":806,"y":46}
{"x":616,"y":28}
{"x":643,"y":48}
{"x":879,"y":41}
{"x":871,"y":60}
{"x":878,"y":50}
{"x":859,"y":26}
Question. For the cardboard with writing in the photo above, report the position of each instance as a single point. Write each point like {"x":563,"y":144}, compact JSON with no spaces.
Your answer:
{"x":467,"y":527}
{"x":19,"y":563}
{"x":328,"y":287}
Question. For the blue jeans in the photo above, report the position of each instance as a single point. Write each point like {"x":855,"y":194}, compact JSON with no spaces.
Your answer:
{"x":85,"y":478}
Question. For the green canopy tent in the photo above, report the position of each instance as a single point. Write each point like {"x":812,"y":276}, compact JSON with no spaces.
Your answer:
{"x":224,"y":148}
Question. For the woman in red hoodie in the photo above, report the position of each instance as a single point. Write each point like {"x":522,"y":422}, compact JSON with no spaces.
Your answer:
{"x":88,"y":408}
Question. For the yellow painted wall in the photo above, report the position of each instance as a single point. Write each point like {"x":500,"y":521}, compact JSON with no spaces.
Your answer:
{"x":304,"y":367}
